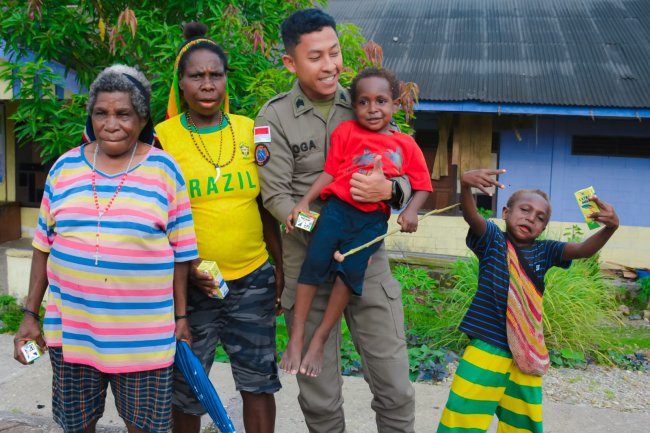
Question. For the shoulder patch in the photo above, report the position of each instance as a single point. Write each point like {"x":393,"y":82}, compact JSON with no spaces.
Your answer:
{"x":262,"y":134}
{"x":262,"y":154}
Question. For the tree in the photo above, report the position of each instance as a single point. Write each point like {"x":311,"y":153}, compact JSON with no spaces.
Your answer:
{"x":88,"y":35}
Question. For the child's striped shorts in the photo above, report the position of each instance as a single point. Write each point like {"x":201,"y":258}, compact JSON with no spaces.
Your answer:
{"x":488,"y":382}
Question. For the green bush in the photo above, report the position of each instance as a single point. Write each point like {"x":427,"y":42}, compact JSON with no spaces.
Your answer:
{"x":449,"y":307}
{"x":420,"y":296}
{"x":644,"y":293}
{"x":10,"y":314}
{"x":579,"y":303}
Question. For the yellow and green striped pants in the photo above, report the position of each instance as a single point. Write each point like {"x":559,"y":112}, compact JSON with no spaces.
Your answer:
{"x":488,"y":382}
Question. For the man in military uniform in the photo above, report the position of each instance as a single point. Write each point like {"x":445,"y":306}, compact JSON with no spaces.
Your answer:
{"x":292,"y":136}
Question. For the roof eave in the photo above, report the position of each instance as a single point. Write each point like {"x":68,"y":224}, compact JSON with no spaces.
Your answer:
{"x":532,"y":109}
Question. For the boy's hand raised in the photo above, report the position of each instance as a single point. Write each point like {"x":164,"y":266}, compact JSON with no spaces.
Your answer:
{"x":590,"y":246}
{"x":482,"y":179}
{"x":606,"y":216}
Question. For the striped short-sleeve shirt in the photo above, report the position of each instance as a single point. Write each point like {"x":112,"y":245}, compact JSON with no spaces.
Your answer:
{"x":486,"y":316}
{"x":114,"y":312}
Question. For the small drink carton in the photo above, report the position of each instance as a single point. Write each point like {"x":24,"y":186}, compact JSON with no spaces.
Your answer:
{"x":307,"y":220}
{"x":31,"y":351}
{"x":221,"y":288}
{"x":587,"y":206}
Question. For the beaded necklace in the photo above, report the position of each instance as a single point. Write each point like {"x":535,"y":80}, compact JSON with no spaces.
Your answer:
{"x":204,"y":152}
{"x":101,"y":213}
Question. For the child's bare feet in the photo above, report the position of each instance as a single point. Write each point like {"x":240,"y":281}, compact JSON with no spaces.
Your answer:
{"x":290,"y":361}
{"x":312,"y":362}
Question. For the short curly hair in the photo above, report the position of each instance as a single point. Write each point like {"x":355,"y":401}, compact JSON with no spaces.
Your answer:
{"x":393,"y":82}
{"x":123,"y":78}
{"x":302,"y":22}
{"x":517,"y":195}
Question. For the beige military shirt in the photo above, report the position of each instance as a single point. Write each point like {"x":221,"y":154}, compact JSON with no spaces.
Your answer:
{"x":292,"y":155}
{"x":291,"y":142}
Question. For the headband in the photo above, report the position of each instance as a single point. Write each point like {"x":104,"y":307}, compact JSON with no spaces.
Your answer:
{"x":174,"y":101}
{"x":140,"y":87}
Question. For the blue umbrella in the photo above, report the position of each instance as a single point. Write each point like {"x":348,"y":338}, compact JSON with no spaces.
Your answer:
{"x":195,"y":375}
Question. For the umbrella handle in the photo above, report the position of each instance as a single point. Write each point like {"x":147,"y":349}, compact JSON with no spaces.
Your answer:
{"x":339,"y":257}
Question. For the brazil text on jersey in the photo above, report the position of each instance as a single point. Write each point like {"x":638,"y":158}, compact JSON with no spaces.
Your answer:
{"x":229,"y":182}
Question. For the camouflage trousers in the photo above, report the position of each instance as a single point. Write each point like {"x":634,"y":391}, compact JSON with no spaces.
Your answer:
{"x":244,"y":323}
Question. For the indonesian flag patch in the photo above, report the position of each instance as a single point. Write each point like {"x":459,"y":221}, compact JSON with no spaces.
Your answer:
{"x":262,"y":134}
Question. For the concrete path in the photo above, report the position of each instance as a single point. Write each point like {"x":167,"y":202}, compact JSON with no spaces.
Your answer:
{"x":25,"y":404}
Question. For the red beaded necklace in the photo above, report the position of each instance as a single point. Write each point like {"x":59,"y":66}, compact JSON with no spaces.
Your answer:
{"x":101,"y":213}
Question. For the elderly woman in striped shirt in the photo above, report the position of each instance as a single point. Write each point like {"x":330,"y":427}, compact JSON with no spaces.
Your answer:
{"x":113,"y":244}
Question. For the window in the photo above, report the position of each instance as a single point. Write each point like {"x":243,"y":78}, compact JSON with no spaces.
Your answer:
{"x":628,"y":147}
{"x":31,"y":174}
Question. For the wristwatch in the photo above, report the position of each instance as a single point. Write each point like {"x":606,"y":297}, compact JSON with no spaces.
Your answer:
{"x":396,"y":195}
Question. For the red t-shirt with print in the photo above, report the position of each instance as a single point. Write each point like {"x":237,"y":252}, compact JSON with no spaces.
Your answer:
{"x":353,"y":150}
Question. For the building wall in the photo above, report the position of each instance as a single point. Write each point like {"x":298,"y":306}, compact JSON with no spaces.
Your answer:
{"x":542,"y":159}
{"x":539,"y":156}
{"x":28,"y":221}
{"x":8,"y":184}
{"x":446,"y":236}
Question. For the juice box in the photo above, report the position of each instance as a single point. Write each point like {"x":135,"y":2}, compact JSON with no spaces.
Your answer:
{"x":31,"y":351}
{"x":586,"y":206}
{"x":221,"y":288}
{"x":307,"y":221}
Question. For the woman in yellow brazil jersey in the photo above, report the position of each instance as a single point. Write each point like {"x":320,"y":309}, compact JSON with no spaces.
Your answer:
{"x":215,"y":151}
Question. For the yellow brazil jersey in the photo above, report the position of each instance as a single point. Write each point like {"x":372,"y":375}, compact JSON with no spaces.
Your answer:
{"x":226,"y":217}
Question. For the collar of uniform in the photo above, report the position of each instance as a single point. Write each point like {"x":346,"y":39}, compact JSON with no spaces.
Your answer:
{"x":302,"y":104}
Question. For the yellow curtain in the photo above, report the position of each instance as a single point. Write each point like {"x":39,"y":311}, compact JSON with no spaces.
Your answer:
{"x":473,"y":142}
{"x":441,"y":161}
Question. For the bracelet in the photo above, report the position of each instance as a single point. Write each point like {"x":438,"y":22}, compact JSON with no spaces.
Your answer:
{"x":30,"y":313}
{"x":184,"y":316}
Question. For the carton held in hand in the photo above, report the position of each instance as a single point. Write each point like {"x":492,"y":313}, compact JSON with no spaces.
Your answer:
{"x":221,"y":288}
{"x":307,"y":220}
{"x":31,"y":351}
{"x":587,"y":206}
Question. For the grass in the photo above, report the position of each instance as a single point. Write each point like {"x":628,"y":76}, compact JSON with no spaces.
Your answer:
{"x":580,"y":317}
{"x":436,"y":317}
{"x":10,"y":314}
{"x":579,"y":304}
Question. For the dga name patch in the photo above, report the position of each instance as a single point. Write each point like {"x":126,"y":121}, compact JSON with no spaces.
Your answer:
{"x":262,"y":134}
{"x":262,"y":154}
